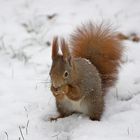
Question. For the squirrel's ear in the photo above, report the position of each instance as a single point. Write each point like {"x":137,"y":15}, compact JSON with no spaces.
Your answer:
{"x":55,"y":48}
{"x":65,"y":51}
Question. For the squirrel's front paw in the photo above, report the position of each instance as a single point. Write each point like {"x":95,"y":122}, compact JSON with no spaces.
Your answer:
{"x":59,"y":97}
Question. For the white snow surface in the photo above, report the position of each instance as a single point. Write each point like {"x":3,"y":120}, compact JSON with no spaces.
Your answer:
{"x":26,"y":102}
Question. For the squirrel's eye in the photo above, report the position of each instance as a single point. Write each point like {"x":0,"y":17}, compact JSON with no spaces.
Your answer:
{"x":66,"y":74}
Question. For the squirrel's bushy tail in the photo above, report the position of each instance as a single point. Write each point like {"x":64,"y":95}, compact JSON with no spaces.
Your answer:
{"x":100,"y":45}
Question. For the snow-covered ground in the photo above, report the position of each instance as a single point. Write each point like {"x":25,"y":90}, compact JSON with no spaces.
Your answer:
{"x":26,"y":103}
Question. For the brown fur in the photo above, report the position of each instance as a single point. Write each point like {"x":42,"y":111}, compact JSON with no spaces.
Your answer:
{"x":99,"y":45}
{"x":55,"y":48}
{"x":77,"y":84}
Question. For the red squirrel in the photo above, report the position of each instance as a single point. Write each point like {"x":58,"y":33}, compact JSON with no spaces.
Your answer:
{"x":86,"y":69}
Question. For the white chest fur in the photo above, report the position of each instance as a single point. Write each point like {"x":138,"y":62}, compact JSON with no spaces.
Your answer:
{"x":76,"y":106}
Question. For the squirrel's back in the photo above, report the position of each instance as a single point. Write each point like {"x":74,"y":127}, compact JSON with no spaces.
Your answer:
{"x":99,"y":44}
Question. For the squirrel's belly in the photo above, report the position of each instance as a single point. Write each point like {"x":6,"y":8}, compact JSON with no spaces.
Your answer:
{"x":75,"y":106}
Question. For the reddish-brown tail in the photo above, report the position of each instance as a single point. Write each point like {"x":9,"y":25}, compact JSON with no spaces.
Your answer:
{"x":100,"y":45}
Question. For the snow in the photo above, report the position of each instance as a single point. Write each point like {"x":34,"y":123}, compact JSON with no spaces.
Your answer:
{"x":26,"y":102}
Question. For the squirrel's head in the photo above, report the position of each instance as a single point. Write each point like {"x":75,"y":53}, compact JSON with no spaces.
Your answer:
{"x":61,"y":69}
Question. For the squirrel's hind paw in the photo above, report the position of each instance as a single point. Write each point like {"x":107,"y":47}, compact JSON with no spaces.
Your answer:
{"x":94,"y":119}
{"x":55,"y":118}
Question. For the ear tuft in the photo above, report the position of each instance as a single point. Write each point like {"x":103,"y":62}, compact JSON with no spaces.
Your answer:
{"x":65,"y":51}
{"x":55,"y":48}
{"x":64,"y":48}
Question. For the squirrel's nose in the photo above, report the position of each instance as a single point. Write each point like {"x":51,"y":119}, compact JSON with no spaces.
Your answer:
{"x":55,"y":89}
{"x":55,"y":85}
